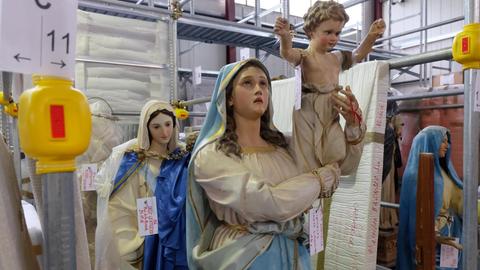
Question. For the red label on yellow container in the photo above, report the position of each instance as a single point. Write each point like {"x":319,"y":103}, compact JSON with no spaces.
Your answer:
{"x":465,"y":45}
{"x":57,"y":121}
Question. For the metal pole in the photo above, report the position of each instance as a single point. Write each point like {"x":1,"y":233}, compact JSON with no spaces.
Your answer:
{"x":192,"y":57}
{"x":285,"y":15}
{"x":257,"y":12}
{"x":125,"y":9}
{"x":470,"y":171}
{"x":58,"y":221}
{"x":258,"y":23}
{"x":471,"y":150}
{"x":352,"y":3}
{"x":367,"y":8}
{"x":120,"y":63}
{"x":285,"y":8}
{"x":420,"y":68}
{"x":433,"y":107}
{"x":11,"y":127}
{"x":444,"y":54}
{"x":3,"y":124}
{"x":425,"y":39}
{"x":195,"y":101}
{"x":261,"y":14}
{"x":17,"y":87}
{"x":7,"y":87}
{"x":184,"y":2}
{"x":192,"y":114}
{"x":205,"y":73}
{"x":390,"y":205}
{"x":197,"y":114}
{"x":173,"y":40}
{"x":405,"y":70}
{"x":440,"y":93}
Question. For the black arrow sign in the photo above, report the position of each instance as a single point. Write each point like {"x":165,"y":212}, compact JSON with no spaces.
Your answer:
{"x":43,"y":6}
{"x":18,"y":57}
{"x":61,"y":64}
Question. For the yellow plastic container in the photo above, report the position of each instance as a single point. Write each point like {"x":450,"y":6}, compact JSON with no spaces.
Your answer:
{"x":181,"y":113}
{"x":9,"y":106}
{"x":466,"y":46}
{"x":11,"y":109}
{"x":54,"y":124}
{"x":2,"y":100}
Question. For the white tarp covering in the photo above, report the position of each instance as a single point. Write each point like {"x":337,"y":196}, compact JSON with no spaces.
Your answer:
{"x":109,"y":38}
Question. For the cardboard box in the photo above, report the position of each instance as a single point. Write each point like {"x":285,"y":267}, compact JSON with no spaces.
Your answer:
{"x":387,"y":247}
{"x":447,"y":79}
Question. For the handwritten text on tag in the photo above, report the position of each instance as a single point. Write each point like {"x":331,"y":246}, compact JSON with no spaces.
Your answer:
{"x":449,"y":256}
{"x":315,"y":220}
{"x":147,"y":216}
{"x":88,"y":172}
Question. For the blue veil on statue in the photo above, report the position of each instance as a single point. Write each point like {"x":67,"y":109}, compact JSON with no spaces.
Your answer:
{"x":427,"y":140}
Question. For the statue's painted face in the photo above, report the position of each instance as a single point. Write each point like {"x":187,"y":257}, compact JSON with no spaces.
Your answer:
{"x":250,"y":93}
{"x":161,"y":128}
{"x":443,"y":147}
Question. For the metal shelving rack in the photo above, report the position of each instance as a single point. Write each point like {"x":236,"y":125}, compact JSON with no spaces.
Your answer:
{"x":259,"y":36}
{"x":211,"y":30}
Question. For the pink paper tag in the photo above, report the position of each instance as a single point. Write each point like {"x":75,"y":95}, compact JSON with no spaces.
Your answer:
{"x":315,"y":222}
{"x":88,"y":172}
{"x":147,"y":216}
{"x":449,"y":256}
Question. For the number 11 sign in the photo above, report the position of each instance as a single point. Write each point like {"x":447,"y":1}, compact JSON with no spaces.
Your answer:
{"x":38,"y":36}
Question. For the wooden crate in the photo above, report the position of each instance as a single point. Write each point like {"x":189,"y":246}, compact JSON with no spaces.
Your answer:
{"x":387,"y":247}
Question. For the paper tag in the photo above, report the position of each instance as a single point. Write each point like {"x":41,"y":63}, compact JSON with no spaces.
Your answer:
{"x":88,"y":173}
{"x":447,"y":79}
{"x":244,"y":53}
{"x":449,"y":256}
{"x":147,"y":216}
{"x":476,"y":90}
{"x":298,"y":87}
{"x":197,"y":75}
{"x":315,"y":227}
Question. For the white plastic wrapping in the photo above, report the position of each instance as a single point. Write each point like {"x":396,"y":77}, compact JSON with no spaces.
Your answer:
{"x":115,"y":39}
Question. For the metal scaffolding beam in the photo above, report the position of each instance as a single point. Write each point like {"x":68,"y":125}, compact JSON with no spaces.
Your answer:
{"x":120,"y":63}
{"x":123,"y":9}
{"x":440,"y":93}
{"x":206,"y":73}
{"x":433,"y":107}
{"x":427,"y":57}
{"x":212,"y":30}
{"x":195,"y":101}
{"x":471,"y":149}
{"x":251,"y":15}
{"x":173,"y":50}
